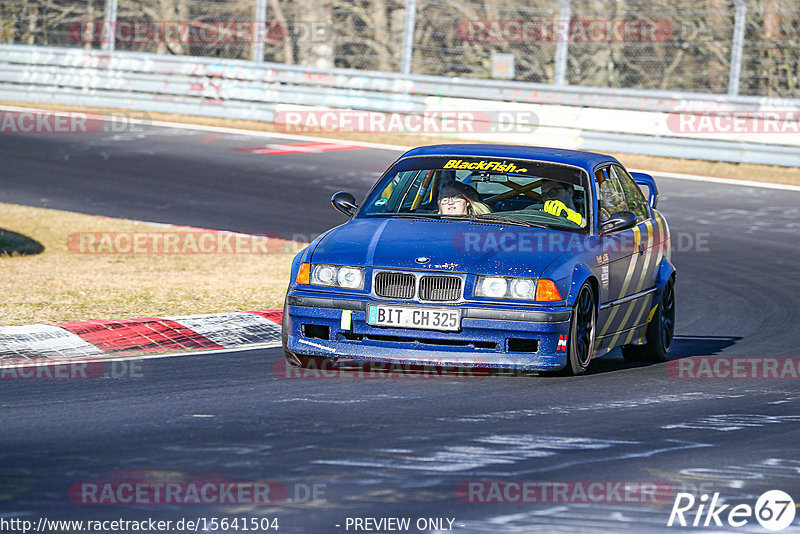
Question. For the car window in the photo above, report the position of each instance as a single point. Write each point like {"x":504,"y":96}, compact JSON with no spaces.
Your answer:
{"x":637,"y":203}
{"x":506,"y":188}
{"x":395,"y":192}
{"x":611,"y":197}
{"x":411,"y":190}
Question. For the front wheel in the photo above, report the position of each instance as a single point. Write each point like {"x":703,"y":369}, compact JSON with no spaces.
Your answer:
{"x":582,"y":332}
{"x":660,"y":331}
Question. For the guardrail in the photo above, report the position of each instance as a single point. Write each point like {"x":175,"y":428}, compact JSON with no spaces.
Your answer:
{"x":599,"y":119}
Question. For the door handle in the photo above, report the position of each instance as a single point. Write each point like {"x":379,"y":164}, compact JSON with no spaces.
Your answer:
{"x":641,"y":248}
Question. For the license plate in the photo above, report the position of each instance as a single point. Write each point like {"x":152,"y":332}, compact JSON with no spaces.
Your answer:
{"x":407,"y":317}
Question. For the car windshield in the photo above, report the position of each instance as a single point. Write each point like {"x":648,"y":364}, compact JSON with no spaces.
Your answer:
{"x":493,"y":190}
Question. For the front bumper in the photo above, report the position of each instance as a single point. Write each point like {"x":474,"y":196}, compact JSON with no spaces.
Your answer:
{"x":490,"y":335}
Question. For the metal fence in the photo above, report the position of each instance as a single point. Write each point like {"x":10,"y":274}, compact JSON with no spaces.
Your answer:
{"x":740,"y":47}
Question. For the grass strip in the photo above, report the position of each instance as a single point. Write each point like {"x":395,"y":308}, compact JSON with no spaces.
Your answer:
{"x":45,"y":280}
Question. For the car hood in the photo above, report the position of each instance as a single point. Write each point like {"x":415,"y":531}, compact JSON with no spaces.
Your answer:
{"x":448,"y":245}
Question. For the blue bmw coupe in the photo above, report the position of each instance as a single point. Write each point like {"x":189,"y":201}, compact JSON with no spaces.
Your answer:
{"x":488,"y":256}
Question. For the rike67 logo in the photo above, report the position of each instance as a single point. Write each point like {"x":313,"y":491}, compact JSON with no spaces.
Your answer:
{"x":774,"y":510}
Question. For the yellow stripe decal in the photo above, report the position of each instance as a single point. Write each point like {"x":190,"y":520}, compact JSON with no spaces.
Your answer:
{"x":646,"y":268}
{"x":668,"y":251}
{"x":662,"y":236}
{"x":660,"y":241}
{"x":637,"y":322}
{"x":651,"y":314}
{"x":649,"y":318}
{"x":624,"y":324}
{"x":626,"y":283}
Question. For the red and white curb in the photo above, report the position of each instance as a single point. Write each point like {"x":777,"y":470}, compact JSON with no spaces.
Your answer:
{"x":39,"y":344}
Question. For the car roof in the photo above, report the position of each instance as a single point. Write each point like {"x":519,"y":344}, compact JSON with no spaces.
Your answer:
{"x":578,"y":158}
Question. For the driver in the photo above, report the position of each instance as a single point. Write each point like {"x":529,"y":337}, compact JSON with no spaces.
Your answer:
{"x":558,"y":201}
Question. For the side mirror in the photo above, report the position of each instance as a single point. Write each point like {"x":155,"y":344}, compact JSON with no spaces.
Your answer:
{"x":620,"y":220}
{"x":645,"y":179}
{"x":344,"y":202}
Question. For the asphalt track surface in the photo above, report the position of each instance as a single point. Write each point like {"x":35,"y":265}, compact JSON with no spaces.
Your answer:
{"x":397,"y":446}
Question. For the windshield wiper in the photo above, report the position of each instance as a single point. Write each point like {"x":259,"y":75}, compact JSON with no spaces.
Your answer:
{"x":405,"y":215}
{"x":508,"y":220}
{"x":477,"y":218}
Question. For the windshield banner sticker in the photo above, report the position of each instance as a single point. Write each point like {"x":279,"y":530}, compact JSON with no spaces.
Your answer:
{"x":483,"y":165}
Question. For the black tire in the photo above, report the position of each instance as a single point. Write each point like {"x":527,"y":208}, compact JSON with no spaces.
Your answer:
{"x":300,"y":360}
{"x":660,"y":331}
{"x":582,"y":332}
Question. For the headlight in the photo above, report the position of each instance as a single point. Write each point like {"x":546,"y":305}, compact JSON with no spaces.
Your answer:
{"x":350,"y":277}
{"x":325,"y":275}
{"x":522,"y":288}
{"x":512,"y":288}
{"x":492,"y":287}
{"x":335,"y":276}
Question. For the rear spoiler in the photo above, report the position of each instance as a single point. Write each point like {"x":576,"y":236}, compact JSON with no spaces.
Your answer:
{"x":645,"y":179}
